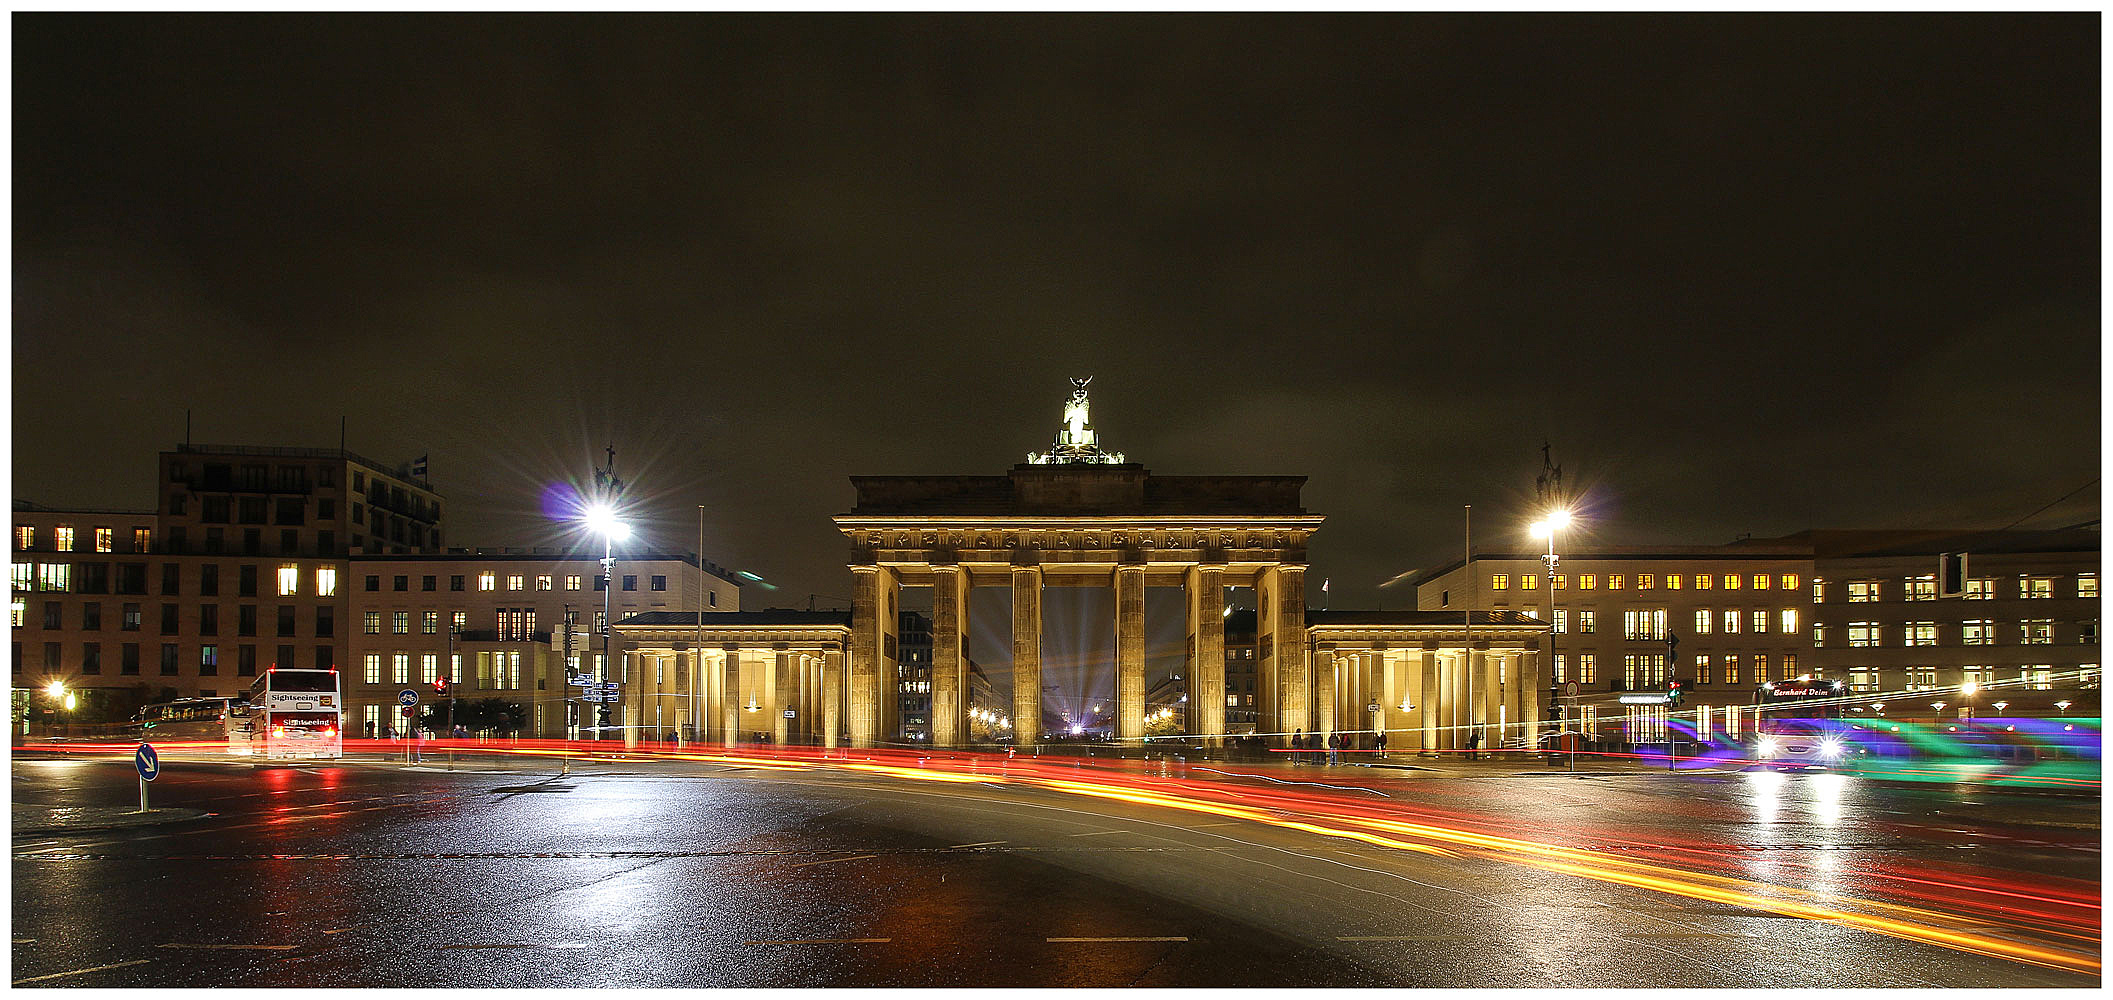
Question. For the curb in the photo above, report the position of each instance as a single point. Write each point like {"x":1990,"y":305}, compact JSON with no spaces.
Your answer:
{"x":156,"y":817}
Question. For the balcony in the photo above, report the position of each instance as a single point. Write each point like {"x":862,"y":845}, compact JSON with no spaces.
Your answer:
{"x":469,"y":636}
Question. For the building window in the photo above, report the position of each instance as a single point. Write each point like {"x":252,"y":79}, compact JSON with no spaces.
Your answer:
{"x":1983,"y":589}
{"x":325,"y":581}
{"x":455,"y":583}
{"x":1585,"y":622}
{"x":1704,"y":581}
{"x":1819,"y":635}
{"x":58,"y":577}
{"x":428,"y":667}
{"x":1731,"y":581}
{"x":400,"y":583}
{"x":1920,"y":634}
{"x":1760,"y":668}
{"x":1819,"y":591}
{"x":16,"y":611}
{"x":429,"y":623}
{"x":1731,"y":623}
{"x":429,"y":584}
{"x":543,"y":581}
{"x":513,"y":581}
{"x":1643,"y":624}
{"x":1921,"y":678}
{"x":2087,"y":585}
{"x":1527,"y":581}
{"x":2087,"y":632}
{"x":168,"y":619}
{"x":1588,"y":581}
{"x":142,"y":540}
{"x":1587,"y":668}
{"x":1920,"y":588}
{"x":208,"y":660}
{"x":286,"y":612}
{"x":661,"y":583}
{"x":2035,"y":587}
{"x":1980,"y":632}
{"x":2038,"y":677}
{"x":487,"y":581}
{"x":130,"y":621}
{"x":1645,"y":581}
{"x":400,"y":622}
{"x":1863,"y":679}
{"x":168,"y":659}
{"x":1788,"y":621}
{"x":1702,"y":669}
{"x":1757,"y":622}
{"x":712,"y":599}
{"x":601,"y":621}
{"x":373,"y":623}
{"x":1497,"y":581}
{"x":572,"y":582}
{"x":374,"y":583}
{"x":1614,"y":581}
{"x":24,"y":575}
{"x":1863,"y":634}
{"x":25,"y":536}
{"x":630,"y":582}
{"x":458,"y":620}
{"x":62,"y":538}
{"x":1863,"y":591}
{"x":1760,"y":581}
{"x":103,"y":540}
{"x":1560,"y":581}
{"x":2037,"y":631}
{"x":1562,"y":622}
{"x":400,"y":667}
{"x":289,"y":580}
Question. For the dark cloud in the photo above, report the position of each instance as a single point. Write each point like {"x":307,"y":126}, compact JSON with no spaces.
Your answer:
{"x":1747,"y":273}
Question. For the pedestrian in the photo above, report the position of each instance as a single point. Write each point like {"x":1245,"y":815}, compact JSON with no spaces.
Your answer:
{"x":1335,"y":749}
{"x":370,"y":730}
{"x":1379,"y":744}
{"x":1474,"y":741}
{"x":1298,"y":743}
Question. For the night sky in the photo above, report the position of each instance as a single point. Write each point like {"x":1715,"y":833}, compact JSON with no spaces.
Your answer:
{"x":1746,"y":274}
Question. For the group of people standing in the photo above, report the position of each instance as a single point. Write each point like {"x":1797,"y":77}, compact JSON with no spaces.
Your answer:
{"x":1316,"y":748}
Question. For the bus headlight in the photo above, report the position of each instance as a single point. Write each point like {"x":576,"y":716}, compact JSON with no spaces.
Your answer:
{"x":1767,"y":746}
{"x":1831,"y":749}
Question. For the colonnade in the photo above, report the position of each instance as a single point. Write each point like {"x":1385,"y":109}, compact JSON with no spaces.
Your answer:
{"x":1432,"y":697}
{"x":785,"y":692}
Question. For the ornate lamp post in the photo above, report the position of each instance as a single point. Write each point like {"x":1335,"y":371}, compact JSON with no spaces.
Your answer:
{"x":1556,"y":520}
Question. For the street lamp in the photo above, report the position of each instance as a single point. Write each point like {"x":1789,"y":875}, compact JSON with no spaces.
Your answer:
{"x":602,"y":519}
{"x":1557,"y":520}
{"x":1969,"y":689}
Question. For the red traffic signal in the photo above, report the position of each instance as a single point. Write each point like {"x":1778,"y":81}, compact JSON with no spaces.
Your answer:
{"x":440,"y":685}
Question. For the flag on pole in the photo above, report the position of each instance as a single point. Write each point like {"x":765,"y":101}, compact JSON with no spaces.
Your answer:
{"x":1324,"y":584}
{"x":418,"y":468}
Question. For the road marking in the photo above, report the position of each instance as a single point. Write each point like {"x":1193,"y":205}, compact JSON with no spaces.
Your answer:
{"x":827,"y":941}
{"x":229,"y":947}
{"x":1097,"y":940}
{"x":1206,"y":826}
{"x":1098,"y":833}
{"x":77,"y":972}
{"x":25,"y":940}
{"x":1408,"y":937}
{"x":831,"y":861}
{"x":980,"y":843}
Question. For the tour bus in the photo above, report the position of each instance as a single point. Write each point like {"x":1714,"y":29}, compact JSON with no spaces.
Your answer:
{"x":197,"y":723}
{"x":297,"y":713}
{"x":1799,"y":723}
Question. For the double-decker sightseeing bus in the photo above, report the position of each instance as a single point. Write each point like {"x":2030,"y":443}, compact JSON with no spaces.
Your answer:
{"x":297,"y":713}
{"x":1798,"y":723}
{"x":211,"y":724}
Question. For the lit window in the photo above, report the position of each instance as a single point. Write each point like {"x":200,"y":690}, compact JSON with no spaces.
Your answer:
{"x":1790,"y":581}
{"x":1863,"y":591}
{"x":1731,"y":669}
{"x":1703,"y":621}
{"x":2029,"y":587}
{"x":1920,"y":634}
{"x":1702,"y":669}
{"x":1587,"y":669}
{"x":15,"y":611}
{"x":487,"y":580}
{"x":400,"y":668}
{"x":2038,"y":677}
{"x":1731,"y":581}
{"x":513,"y":581}
{"x":2087,"y":585}
{"x":1562,"y":622}
{"x":429,"y":667}
{"x":23,"y":575}
{"x":289,"y":579}
{"x":374,"y":623}
{"x":1760,"y":581}
{"x":56,"y":577}
{"x":326,"y":581}
{"x":429,"y":624}
{"x":1819,"y":634}
{"x":1561,"y":581}
{"x":62,"y":538}
{"x":1757,"y":623}
{"x":103,"y":540}
{"x":1561,"y":665}
{"x":572,"y":583}
{"x":1921,"y":678}
{"x":1864,"y":634}
{"x":1527,"y":581}
{"x":1614,"y":581}
{"x":2038,"y":631}
{"x":1731,"y":623}
{"x":400,"y":623}
{"x":543,"y":582}
{"x":371,"y":668}
{"x":1789,"y":621}
{"x":25,"y":536}
{"x":459,"y":619}
{"x":1499,"y":581}
{"x":1704,"y":581}
{"x":1587,"y":581}
{"x":1585,"y":622}
{"x":1819,"y":591}
{"x":1863,"y":679}
{"x":1672,"y":581}
{"x":1983,"y":589}
{"x":1920,"y":588}
{"x":1980,"y":632}
{"x":1232,"y":701}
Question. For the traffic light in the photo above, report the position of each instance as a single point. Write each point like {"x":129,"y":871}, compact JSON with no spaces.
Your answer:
{"x":1672,"y":651}
{"x":1673,"y":691}
{"x":440,"y":686}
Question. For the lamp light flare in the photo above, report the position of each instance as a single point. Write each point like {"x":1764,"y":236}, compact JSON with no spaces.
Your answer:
{"x":55,"y":689}
{"x":602,"y":520}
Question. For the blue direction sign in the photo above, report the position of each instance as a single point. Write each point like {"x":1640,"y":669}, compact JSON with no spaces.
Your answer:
{"x":407,"y":697}
{"x":147,"y":761}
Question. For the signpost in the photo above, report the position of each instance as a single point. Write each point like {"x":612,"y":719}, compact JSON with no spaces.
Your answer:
{"x":789,"y":713}
{"x":408,"y":698}
{"x":148,"y":763}
{"x":1571,"y":717}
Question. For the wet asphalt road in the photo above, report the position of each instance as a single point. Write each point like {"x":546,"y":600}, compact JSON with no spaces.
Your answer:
{"x":686,"y":874}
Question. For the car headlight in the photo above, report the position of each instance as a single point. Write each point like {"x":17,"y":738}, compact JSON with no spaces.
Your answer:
{"x":1767,"y":747}
{"x":1830,"y":749}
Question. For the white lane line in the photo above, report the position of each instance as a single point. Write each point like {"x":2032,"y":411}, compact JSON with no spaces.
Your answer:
{"x":1098,"y":940}
{"x":980,"y":843}
{"x":25,"y":940}
{"x":831,"y":861}
{"x":1407,"y":937}
{"x":1206,"y":826}
{"x":1098,"y":833}
{"x":827,"y":941}
{"x":228,"y":947}
{"x":77,"y":972}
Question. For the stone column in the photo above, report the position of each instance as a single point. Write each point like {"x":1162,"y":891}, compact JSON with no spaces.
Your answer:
{"x":832,"y":697}
{"x":873,"y":614}
{"x":1326,"y":667}
{"x":1448,"y":702}
{"x":1130,"y":653}
{"x":1206,"y":587}
{"x":633,"y":689}
{"x":1484,"y":699}
{"x":1531,"y":693}
{"x":685,"y":721}
{"x":730,"y":704}
{"x":1426,"y":699}
{"x":1286,"y":625}
{"x":1026,"y":654}
{"x":949,"y":663}
{"x":1514,"y":708}
{"x":784,"y":694}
